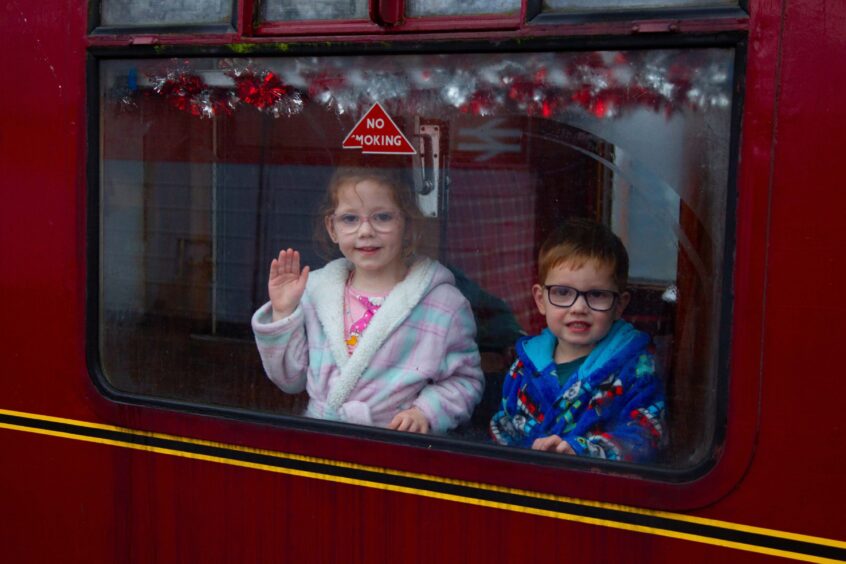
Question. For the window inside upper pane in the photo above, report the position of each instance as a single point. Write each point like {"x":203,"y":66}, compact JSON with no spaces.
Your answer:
{"x":211,"y":166}
{"x":424,"y":8}
{"x":565,"y":6}
{"x":285,"y":10}
{"x":164,"y":12}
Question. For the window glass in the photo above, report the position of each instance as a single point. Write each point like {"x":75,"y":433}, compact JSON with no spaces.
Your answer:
{"x":282,"y":10}
{"x":211,"y":166}
{"x":421,"y":8}
{"x":623,"y":5}
{"x":164,"y":12}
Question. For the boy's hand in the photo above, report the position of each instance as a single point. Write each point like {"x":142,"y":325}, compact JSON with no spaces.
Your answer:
{"x":411,"y":420}
{"x":553,"y":443}
{"x":286,"y":283}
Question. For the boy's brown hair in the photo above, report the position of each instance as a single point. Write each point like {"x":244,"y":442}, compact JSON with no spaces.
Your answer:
{"x":578,"y":240}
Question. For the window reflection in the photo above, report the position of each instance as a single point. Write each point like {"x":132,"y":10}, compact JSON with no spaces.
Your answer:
{"x":283,"y":10}
{"x":625,"y":5}
{"x":420,"y":8}
{"x":165,"y":12}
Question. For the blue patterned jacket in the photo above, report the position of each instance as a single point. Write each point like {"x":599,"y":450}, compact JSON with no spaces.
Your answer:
{"x":611,"y":407}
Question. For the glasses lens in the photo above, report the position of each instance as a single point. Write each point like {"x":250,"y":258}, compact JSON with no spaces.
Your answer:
{"x":563,"y":296}
{"x":347,"y":222}
{"x":384,"y":221}
{"x":600,"y":300}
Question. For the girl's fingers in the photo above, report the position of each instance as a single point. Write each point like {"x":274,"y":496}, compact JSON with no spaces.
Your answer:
{"x":286,"y":264}
{"x":279,"y":261}
{"x":408,"y":423}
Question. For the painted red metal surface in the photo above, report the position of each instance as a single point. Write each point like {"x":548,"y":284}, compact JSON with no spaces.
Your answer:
{"x":780,"y":466}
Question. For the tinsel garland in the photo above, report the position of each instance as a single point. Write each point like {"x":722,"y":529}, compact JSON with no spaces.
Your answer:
{"x":604,"y":84}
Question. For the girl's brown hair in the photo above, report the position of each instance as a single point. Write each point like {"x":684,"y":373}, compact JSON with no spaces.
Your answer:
{"x":395,"y":180}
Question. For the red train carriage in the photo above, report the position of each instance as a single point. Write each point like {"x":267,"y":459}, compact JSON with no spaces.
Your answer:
{"x":156,"y":155}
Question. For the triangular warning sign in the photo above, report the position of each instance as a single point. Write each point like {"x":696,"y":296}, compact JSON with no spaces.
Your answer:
{"x":376,"y":133}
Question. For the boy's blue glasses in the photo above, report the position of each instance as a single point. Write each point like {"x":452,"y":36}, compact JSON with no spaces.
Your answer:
{"x":381,"y":222}
{"x":597,"y":300}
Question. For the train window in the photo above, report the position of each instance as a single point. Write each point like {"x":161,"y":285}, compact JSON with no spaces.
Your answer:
{"x":423,"y":8}
{"x":565,"y":6}
{"x":209,"y":166}
{"x":146,"y":13}
{"x":286,"y":10}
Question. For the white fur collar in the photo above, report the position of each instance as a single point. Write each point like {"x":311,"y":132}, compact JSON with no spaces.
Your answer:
{"x":326,"y":292}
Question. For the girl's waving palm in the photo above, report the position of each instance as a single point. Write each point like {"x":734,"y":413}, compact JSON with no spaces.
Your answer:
{"x":286,"y":283}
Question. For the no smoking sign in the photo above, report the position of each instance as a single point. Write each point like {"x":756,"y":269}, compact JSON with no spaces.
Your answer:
{"x":376,"y":133}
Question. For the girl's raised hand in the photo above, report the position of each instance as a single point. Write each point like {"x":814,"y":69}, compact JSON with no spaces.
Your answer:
{"x":286,"y":283}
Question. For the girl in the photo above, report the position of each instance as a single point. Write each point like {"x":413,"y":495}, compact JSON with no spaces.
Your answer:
{"x":379,"y":337}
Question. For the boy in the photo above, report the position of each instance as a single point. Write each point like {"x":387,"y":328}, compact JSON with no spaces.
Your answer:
{"x":586,"y":385}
